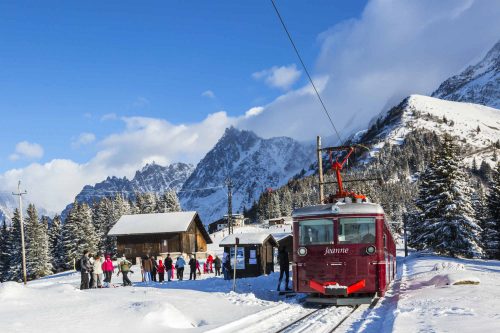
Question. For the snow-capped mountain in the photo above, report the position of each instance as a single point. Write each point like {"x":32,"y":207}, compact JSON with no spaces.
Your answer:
{"x":476,"y":126}
{"x":8,"y":203}
{"x":478,"y":84}
{"x":152,"y":178}
{"x":254,"y":164}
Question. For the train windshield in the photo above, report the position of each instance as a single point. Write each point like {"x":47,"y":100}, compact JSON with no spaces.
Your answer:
{"x":357,"y":230}
{"x":315,"y":232}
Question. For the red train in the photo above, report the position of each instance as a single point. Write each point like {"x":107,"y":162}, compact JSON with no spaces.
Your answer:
{"x":344,"y":251}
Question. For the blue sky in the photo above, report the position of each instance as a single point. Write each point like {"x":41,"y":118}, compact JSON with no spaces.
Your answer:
{"x":92,"y":89}
{"x":67,"y":64}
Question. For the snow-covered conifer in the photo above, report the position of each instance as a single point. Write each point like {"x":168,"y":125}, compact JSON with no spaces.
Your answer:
{"x":492,"y":228}
{"x":168,"y":202}
{"x":14,"y":255}
{"x":4,"y":257}
{"x":448,"y":224}
{"x":56,"y":244}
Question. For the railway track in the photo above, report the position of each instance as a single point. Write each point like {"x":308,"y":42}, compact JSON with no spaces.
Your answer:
{"x":324,"y":320}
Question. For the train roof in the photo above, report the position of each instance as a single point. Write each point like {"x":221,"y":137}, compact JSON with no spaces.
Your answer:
{"x":339,"y":208}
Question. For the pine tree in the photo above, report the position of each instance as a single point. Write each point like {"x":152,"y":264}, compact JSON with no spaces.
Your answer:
{"x":119,"y":206}
{"x":14,"y":255}
{"x":4,"y":258}
{"x":474,"y":165}
{"x":168,"y":202}
{"x":38,"y":259}
{"x":78,"y":233}
{"x":286,"y":203}
{"x":448,"y":223}
{"x":89,"y":237}
{"x":146,"y":202}
{"x":56,"y":244}
{"x":481,"y":213}
{"x":101,"y":212}
{"x":492,"y":228}
{"x":274,"y":205}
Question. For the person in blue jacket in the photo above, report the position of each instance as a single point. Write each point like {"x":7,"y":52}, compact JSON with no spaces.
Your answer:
{"x":179,"y":266}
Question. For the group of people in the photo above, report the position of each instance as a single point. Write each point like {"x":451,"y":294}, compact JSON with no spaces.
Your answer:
{"x":93,"y":268}
{"x":151,"y":268}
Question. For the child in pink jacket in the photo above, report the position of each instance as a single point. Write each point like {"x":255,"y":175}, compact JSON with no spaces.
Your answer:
{"x":108,"y":269}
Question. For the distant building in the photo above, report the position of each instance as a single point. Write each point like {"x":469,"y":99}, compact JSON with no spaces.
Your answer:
{"x":277,"y":221}
{"x":238,"y":221}
{"x":254,"y":255}
{"x":177,"y":233}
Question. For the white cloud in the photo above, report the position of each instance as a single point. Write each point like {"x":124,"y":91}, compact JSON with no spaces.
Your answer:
{"x":27,"y":150}
{"x":255,"y":111}
{"x":395,"y":48}
{"x":208,"y":93}
{"x":279,"y":77}
{"x":143,"y":140}
{"x":109,"y":116}
{"x":84,"y":138}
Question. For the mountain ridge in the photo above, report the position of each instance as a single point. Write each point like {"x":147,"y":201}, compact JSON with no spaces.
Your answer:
{"x":479,"y":83}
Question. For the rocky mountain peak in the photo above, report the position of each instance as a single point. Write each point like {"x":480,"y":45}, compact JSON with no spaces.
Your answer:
{"x":478,"y":84}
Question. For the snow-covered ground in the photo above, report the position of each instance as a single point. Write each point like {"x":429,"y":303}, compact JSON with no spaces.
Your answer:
{"x":422,"y":299}
{"x":429,"y":296}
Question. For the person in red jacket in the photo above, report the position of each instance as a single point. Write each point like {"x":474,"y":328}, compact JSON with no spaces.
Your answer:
{"x":161,"y":271}
{"x":210,"y":261}
{"x":107,"y":269}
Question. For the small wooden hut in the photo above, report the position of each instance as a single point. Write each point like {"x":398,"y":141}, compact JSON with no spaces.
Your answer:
{"x":177,"y":233}
{"x":254,"y":254}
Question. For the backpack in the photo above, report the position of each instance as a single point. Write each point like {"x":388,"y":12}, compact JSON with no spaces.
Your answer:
{"x":78,"y":265}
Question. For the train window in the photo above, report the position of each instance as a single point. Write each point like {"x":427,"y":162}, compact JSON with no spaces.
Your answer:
{"x":353,"y":230}
{"x":312,"y":232}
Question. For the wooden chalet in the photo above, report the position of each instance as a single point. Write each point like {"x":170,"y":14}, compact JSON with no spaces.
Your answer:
{"x":254,"y":254}
{"x":177,"y":233}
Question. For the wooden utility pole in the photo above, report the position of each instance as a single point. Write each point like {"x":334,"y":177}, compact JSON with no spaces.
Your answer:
{"x":20,"y":195}
{"x":320,"y":170}
{"x":229,"y":184}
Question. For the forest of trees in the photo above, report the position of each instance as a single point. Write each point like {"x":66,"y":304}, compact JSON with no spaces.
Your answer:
{"x":52,"y":246}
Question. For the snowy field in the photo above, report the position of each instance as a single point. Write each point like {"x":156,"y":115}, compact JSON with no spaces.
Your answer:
{"x":422,"y":299}
{"x":425,"y":299}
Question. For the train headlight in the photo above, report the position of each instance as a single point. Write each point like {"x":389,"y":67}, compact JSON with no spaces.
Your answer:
{"x":370,"y":249}
{"x":302,"y":251}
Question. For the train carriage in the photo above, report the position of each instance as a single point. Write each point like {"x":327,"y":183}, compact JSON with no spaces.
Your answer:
{"x":344,"y":250}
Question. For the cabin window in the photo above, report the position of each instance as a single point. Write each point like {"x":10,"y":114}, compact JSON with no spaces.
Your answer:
{"x":357,"y":230}
{"x":314,"y":232}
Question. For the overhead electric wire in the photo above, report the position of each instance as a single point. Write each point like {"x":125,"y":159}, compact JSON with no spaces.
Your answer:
{"x":305,"y":70}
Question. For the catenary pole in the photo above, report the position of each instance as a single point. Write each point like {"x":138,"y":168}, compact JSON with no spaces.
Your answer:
{"x":20,"y":195}
{"x":320,"y":170}
{"x":229,"y":184}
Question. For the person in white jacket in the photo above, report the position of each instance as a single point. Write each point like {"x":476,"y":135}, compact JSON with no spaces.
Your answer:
{"x":97,"y":272}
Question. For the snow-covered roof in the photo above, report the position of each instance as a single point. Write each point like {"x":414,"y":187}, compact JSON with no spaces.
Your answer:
{"x":281,"y":235}
{"x":339,"y":208}
{"x":153,"y":223}
{"x":247,"y":239}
